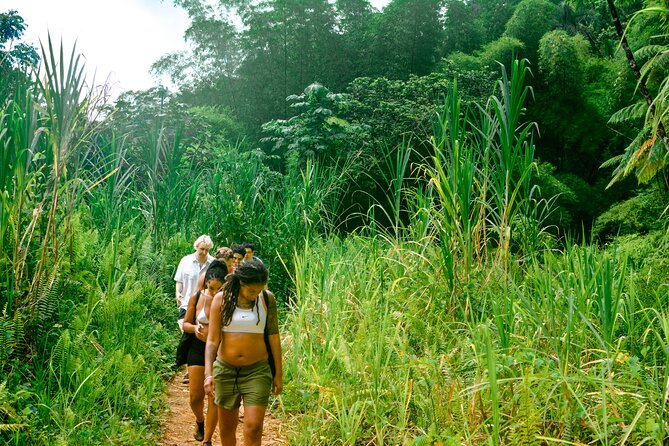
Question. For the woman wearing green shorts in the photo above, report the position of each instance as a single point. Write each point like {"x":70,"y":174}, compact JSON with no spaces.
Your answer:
{"x":241,"y":371}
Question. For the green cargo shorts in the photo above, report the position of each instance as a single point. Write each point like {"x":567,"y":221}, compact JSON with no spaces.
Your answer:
{"x":253,"y":383}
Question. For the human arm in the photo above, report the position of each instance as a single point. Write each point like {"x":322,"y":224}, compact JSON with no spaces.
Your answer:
{"x":275,"y":342}
{"x":179,"y":291}
{"x":213,"y":340}
{"x":200,"y":281}
{"x":188,"y":326}
{"x":179,"y":279}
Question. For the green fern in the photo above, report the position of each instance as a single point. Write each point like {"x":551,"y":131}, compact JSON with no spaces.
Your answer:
{"x":59,"y":353}
{"x":657,"y":63}
{"x":7,"y":337}
{"x":567,"y":434}
{"x":527,"y":427}
{"x":634,"y":112}
{"x":612,"y":161}
{"x":48,"y":296}
{"x":10,"y":419}
{"x":20,"y":341}
{"x":648,"y":51}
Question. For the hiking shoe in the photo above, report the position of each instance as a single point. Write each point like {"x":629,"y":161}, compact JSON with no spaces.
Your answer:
{"x":185,"y":380}
{"x":198,"y":433}
{"x":207,"y":443}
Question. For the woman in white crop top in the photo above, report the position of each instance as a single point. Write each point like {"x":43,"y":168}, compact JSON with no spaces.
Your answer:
{"x":242,"y":316}
{"x":196,"y":322}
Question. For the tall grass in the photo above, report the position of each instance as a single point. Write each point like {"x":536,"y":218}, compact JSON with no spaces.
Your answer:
{"x":481,"y":171}
{"x":64,"y":301}
{"x":557,"y":370}
{"x":94,"y":219}
{"x":446,"y":340}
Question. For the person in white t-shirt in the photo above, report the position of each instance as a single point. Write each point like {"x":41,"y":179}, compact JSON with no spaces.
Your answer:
{"x":189,"y":270}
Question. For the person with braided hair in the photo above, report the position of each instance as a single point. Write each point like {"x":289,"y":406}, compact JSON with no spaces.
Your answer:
{"x":237,"y":353}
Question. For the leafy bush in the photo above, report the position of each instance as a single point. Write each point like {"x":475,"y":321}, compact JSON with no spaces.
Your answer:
{"x":639,"y":214}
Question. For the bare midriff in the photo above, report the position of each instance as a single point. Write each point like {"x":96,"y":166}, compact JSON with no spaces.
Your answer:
{"x":240,"y":349}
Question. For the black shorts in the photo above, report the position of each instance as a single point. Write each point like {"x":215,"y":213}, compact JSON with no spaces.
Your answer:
{"x":196,"y":353}
{"x":182,"y":313}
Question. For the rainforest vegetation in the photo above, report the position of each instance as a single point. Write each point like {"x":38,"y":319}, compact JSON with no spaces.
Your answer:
{"x":463,"y":206}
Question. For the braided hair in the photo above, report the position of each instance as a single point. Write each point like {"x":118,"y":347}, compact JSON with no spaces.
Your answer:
{"x":250,"y":272}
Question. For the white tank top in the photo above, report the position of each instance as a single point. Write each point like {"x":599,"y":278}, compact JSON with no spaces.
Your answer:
{"x":248,"y":320}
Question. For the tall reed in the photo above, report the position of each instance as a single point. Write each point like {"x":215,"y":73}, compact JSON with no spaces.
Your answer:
{"x":481,"y":170}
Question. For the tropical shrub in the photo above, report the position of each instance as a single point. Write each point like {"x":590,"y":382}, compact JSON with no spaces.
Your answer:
{"x":637,"y":215}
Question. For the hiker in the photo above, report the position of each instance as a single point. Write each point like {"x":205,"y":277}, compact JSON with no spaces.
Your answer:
{"x":196,"y":321}
{"x":238,"y":253}
{"x":250,"y":250}
{"x":224,"y":254}
{"x":189,"y":270}
{"x":243,"y":335}
{"x":186,"y":278}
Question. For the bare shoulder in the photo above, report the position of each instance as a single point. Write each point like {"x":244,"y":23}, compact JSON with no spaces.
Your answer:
{"x":271,"y":299}
{"x":218,"y":299}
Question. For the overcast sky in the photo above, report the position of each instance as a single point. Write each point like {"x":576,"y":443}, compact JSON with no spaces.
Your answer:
{"x":119,"y":39}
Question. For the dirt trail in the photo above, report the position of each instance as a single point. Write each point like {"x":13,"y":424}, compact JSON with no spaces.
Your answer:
{"x":178,"y":423}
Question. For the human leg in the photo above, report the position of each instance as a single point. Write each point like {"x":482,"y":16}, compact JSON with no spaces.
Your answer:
{"x":227,"y":420}
{"x":196,"y":391}
{"x":255,"y":387}
{"x":254,"y":416}
{"x":210,"y":419}
{"x":227,"y":399}
{"x":196,"y":398}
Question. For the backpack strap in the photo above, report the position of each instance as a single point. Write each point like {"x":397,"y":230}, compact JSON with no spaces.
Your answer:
{"x":265,"y":301}
{"x":270,"y":356}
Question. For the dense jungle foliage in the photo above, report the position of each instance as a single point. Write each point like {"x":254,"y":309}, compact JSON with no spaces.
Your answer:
{"x":463,"y":206}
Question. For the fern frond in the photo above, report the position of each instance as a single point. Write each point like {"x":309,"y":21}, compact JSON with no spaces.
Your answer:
{"x":526,"y":429}
{"x":648,"y":51}
{"x":59,"y":353}
{"x":6,"y":338}
{"x":49,"y":296}
{"x":656,"y":63}
{"x":612,"y":161}
{"x":11,"y":427}
{"x":649,"y":170}
{"x":20,"y":342}
{"x":634,"y":112}
{"x":639,"y":156}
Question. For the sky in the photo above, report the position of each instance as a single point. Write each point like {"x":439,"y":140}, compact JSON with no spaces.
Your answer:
{"x":119,"y":39}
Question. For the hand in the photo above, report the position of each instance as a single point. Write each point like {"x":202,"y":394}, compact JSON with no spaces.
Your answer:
{"x":201,"y":332}
{"x":277,"y":385}
{"x":209,"y":386}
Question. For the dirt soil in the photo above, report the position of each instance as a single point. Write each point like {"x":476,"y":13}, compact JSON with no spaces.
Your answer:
{"x":179,"y":422}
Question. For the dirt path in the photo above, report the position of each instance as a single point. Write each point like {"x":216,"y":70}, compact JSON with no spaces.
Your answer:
{"x":178,"y":423}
